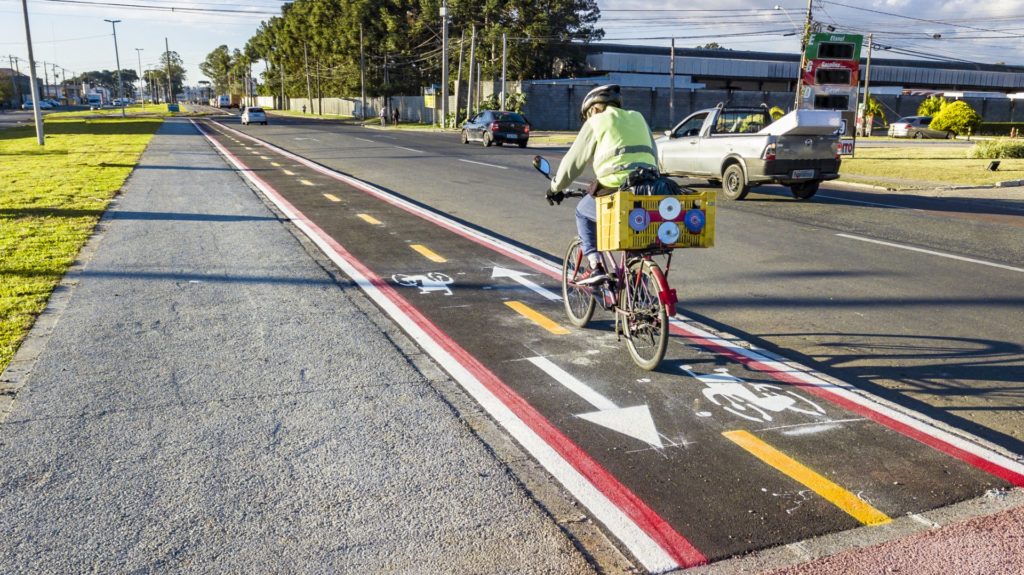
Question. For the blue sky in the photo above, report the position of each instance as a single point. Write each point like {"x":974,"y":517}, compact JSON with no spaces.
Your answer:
{"x":75,"y":36}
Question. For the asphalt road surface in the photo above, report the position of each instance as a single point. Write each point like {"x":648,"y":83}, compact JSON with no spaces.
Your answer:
{"x":905,"y":309}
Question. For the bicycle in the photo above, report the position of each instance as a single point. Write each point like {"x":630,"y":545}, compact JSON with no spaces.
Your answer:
{"x":637,"y":291}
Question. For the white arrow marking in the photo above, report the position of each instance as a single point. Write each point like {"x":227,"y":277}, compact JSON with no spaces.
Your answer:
{"x":520,"y":277}
{"x":635,"y":421}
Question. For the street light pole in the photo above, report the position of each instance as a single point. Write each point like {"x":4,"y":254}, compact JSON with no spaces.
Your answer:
{"x":117,"y":56}
{"x":504,"y":64}
{"x":36,"y":113}
{"x":444,"y":65}
{"x":803,"y":52}
{"x":142,"y":90}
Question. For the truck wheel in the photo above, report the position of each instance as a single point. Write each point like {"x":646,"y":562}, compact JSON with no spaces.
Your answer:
{"x":734,"y":183}
{"x":805,"y":190}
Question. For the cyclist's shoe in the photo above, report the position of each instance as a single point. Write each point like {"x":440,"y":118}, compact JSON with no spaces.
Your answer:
{"x":593,"y":276}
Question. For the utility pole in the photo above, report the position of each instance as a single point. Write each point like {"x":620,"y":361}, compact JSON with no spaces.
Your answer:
{"x":170,"y":86}
{"x":444,"y":66}
{"x":281,"y":66}
{"x":46,"y":79}
{"x":458,"y":79}
{"x":803,"y":52}
{"x":867,"y":89}
{"x":672,"y":84}
{"x":319,"y":94}
{"x":362,"y":77}
{"x":14,"y":82}
{"x":117,"y":57}
{"x":142,"y":91}
{"x":36,"y":113}
{"x":305,"y":64}
{"x":504,"y":64}
{"x":472,"y":64}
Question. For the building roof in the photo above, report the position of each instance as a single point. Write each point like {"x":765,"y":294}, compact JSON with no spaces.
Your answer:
{"x":705,"y":63}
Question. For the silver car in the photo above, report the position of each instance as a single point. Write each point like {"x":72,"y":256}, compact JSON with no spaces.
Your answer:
{"x":254,"y":116}
{"x":917,"y":127}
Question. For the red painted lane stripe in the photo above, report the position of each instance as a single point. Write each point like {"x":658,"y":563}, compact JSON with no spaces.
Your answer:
{"x":681,"y":550}
{"x":941,"y":445}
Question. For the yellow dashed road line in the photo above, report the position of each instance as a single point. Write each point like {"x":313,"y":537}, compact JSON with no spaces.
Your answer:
{"x":306,"y":182}
{"x":369,"y":219}
{"x":841,"y":498}
{"x":425,"y":252}
{"x":288,"y":172}
{"x":537,"y":317}
{"x":332,"y":197}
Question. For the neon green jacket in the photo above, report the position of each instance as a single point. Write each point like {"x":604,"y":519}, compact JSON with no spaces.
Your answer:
{"x":616,"y":141}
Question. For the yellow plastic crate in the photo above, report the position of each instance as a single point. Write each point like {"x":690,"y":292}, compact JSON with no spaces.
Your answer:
{"x":615,"y":232}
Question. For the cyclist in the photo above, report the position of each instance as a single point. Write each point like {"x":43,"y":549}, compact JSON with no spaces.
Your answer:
{"x":622,"y":150}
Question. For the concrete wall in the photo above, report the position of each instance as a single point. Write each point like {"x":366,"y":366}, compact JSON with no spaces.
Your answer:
{"x":556,"y":107}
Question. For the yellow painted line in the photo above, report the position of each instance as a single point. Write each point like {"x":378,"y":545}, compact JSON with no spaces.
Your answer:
{"x":332,"y":197}
{"x":537,"y":317}
{"x":841,"y":498}
{"x":306,"y":182}
{"x":264,"y":158}
{"x":275,"y":164}
{"x":288,"y":172}
{"x":369,"y":219}
{"x":425,"y":252}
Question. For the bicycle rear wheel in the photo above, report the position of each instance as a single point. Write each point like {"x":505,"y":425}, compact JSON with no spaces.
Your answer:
{"x":645,"y":324}
{"x":579,"y":303}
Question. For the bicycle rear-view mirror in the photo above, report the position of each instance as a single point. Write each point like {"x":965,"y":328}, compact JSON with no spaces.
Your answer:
{"x":542,"y":166}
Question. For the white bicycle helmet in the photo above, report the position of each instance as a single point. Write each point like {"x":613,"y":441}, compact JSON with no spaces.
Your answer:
{"x":608,"y":94}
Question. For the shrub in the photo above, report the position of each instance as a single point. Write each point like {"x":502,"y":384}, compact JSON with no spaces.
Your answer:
{"x":932,"y":106}
{"x":874,"y":109}
{"x":996,"y":149}
{"x":957,"y":117}
{"x":1000,"y":128}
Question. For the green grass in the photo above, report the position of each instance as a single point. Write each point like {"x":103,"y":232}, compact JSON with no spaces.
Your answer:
{"x":926,"y":166}
{"x":53,"y":195}
{"x":133,"y":111}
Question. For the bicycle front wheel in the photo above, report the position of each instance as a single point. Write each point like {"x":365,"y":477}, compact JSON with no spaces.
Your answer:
{"x":579,"y":303}
{"x":645,"y":323}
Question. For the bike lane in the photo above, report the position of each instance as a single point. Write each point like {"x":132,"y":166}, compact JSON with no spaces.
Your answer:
{"x":718,"y":453}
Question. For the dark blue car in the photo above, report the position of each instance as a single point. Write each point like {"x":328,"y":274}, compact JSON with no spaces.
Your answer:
{"x":496,"y":127}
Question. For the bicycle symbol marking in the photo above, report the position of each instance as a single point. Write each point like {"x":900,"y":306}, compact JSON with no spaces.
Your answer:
{"x":752,"y":401}
{"x":428,"y":282}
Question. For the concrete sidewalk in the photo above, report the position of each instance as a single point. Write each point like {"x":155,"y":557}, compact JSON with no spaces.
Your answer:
{"x":211,"y":399}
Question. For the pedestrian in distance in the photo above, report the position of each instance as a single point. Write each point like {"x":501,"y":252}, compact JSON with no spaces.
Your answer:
{"x":303,"y":108}
{"x":383,"y":116}
{"x":394,"y":115}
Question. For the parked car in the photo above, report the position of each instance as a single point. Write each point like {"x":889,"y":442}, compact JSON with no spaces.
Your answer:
{"x":256,"y":115}
{"x":43,"y":105}
{"x":495,"y":127}
{"x":917,"y":127}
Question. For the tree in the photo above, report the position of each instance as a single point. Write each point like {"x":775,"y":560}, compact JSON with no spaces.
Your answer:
{"x":710,"y":46}
{"x":217,"y":67}
{"x":931,"y":106}
{"x":6,"y":89}
{"x":873,"y":108}
{"x":957,"y":117}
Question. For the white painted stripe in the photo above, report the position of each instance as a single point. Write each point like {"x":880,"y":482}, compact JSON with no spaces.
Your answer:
{"x":365,"y":140}
{"x":574,"y":385}
{"x":410,"y":149}
{"x":867,"y":203}
{"x":483,"y":164}
{"x":932,"y":253}
{"x":646,"y":550}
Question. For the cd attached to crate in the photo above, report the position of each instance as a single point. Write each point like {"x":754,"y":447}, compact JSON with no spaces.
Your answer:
{"x":669,"y":209}
{"x":639,"y":219}
{"x":694,"y":221}
{"x":668,"y":233}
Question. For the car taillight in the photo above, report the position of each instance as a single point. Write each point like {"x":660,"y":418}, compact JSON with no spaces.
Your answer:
{"x":526,"y":129}
{"x":769,"y":153}
{"x":494,"y":126}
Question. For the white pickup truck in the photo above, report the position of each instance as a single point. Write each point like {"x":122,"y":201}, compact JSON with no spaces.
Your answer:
{"x":738,"y":147}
